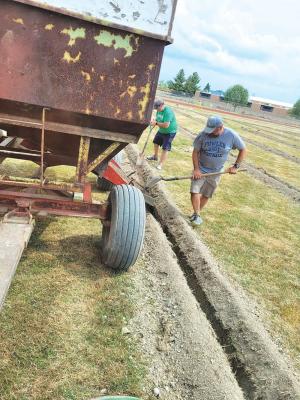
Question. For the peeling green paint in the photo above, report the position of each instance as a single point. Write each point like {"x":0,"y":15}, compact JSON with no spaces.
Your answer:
{"x":108,"y":39}
{"x":74,"y":34}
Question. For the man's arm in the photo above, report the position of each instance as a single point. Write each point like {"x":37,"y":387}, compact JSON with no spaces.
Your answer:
{"x":196,"y":158}
{"x":160,"y":124}
{"x":241,"y":156}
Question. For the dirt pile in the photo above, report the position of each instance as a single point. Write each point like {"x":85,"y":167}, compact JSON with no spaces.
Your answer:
{"x":185,"y":360}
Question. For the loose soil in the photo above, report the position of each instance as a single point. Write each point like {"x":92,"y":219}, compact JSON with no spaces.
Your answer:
{"x":185,"y":360}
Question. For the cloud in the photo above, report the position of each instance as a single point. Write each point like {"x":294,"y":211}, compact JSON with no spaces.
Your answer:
{"x":247,"y":41}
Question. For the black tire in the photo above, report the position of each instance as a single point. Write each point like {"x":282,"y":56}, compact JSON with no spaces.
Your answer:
{"x":104,"y":185}
{"x":122,"y":240}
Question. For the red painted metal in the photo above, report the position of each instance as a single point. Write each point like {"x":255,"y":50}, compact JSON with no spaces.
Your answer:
{"x":87,"y":193}
{"x":52,"y":205}
{"x":114,"y":174}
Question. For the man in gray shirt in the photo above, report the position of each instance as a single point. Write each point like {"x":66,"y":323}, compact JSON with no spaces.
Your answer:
{"x":211,"y":150}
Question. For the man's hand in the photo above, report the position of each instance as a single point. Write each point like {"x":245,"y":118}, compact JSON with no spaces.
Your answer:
{"x":153,"y":122}
{"x":197,"y":174}
{"x":232,"y":170}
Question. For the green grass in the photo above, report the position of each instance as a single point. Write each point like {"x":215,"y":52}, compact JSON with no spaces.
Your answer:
{"x":274,"y":164}
{"x":286,"y":132}
{"x":254,"y":232}
{"x":60,"y":329}
{"x":271,"y":143}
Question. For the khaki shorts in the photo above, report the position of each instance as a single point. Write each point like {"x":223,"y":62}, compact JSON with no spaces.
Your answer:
{"x":205,"y":186}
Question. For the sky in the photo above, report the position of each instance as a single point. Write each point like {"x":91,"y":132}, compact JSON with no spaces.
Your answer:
{"x":255,"y":43}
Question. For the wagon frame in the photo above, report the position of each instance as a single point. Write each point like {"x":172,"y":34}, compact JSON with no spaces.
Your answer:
{"x":75,"y":88}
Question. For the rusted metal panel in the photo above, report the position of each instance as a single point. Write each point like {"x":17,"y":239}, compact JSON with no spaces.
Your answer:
{"x":80,"y":68}
{"x":97,"y":79}
{"x":53,"y":206}
{"x":10,"y":121}
{"x":35,"y":184}
{"x":83,"y":157}
{"x":149,"y":17}
{"x":97,"y":161}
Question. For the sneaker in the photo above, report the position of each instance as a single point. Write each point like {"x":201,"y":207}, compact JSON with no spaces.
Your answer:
{"x":159,"y":167}
{"x":196,"y":220}
{"x":152,"y":158}
{"x":191,"y":217}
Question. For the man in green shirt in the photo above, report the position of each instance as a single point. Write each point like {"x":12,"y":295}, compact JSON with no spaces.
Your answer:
{"x":166,"y":121}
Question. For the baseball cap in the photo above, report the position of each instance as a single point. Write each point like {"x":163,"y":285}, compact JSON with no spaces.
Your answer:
{"x":213,"y":123}
{"x":158,"y":103}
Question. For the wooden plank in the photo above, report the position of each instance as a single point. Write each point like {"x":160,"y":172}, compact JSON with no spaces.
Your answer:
{"x":14,"y":238}
{"x":66,"y":128}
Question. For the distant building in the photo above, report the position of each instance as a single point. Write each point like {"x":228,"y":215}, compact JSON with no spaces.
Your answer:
{"x":279,"y":108}
{"x":217,"y":92}
{"x":255,"y":104}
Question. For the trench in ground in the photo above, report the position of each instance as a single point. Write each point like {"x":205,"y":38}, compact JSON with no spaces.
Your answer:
{"x":238,"y":368}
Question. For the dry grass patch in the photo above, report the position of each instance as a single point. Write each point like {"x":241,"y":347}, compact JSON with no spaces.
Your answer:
{"x":60,"y":329}
{"x":274,"y":164}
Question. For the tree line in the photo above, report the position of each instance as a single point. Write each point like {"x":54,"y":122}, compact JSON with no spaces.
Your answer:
{"x":237,"y":95}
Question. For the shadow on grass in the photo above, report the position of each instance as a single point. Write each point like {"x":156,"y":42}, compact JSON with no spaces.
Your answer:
{"x":84,"y":250}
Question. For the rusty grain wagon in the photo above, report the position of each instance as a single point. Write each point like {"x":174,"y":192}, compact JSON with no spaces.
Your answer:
{"x":77,"y":84}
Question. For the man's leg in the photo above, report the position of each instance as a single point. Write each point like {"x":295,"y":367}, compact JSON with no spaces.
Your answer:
{"x":203,"y":201}
{"x":163,"y":157}
{"x":166,"y":147}
{"x":156,"y":147}
{"x":157,"y":141}
{"x":196,"y":202}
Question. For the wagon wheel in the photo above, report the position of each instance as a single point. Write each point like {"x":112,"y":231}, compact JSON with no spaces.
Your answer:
{"x":122,"y":240}
{"x":104,"y":185}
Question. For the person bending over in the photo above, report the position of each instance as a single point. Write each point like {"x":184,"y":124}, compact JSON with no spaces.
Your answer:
{"x":166,"y":122}
{"x":211,"y":151}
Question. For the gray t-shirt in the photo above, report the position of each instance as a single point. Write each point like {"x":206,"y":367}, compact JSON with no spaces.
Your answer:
{"x":214,"y":150}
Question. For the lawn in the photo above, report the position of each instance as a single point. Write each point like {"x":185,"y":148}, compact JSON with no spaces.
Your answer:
{"x":276,"y":165}
{"x":252,"y":230}
{"x":61,"y":326}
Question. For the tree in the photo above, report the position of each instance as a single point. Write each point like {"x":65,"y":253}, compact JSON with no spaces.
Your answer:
{"x":178,"y":83}
{"x":207,"y":88}
{"x":163,"y":85}
{"x":237,"y":95}
{"x":192,"y":83}
{"x":295,"y":111}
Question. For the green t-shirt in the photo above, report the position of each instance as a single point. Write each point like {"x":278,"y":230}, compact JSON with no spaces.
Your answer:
{"x":167,"y":115}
